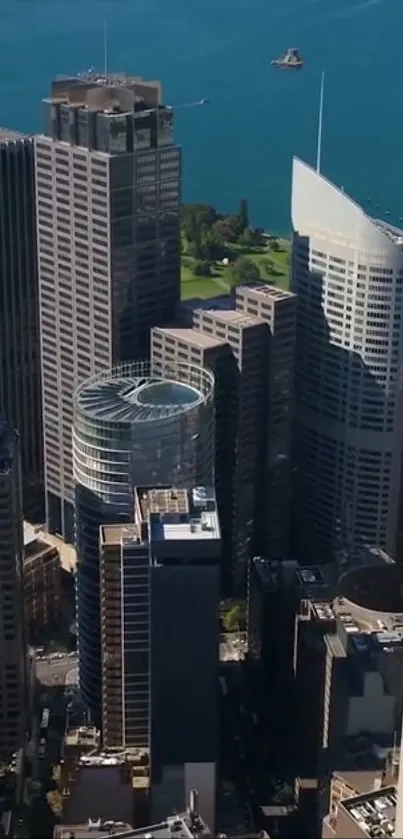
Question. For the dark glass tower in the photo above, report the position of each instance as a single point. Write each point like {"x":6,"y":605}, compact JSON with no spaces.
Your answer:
{"x":20,"y":374}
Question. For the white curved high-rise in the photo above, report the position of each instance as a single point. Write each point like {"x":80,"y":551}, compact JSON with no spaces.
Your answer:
{"x":347,"y":270}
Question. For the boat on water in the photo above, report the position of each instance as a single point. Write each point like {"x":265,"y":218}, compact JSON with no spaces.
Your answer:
{"x":290,"y":61}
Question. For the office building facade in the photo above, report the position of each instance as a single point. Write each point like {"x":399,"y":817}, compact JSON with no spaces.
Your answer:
{"x":20,"y":377}
{"x":108,"y":192}
{"x":347,"y":272}
{"x":133,"y":425}
{"x":249,"y":345}
{"x":12,"y":649}
{"x":159,"y":687}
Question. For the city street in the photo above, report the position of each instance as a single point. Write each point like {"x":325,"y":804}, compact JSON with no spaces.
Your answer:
{"x":56,"y":671}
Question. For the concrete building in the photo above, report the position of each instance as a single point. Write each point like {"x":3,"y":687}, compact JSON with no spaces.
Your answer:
{"x":249,"y":347}
{"x":184,"y":825}
{"x":369,"y":815}
{"x":12,"y":647}
{"x":42,"y":584}
{"x":112,"y":786}
{"x":277,"y":308}
{"x":20,"y":375}
{"x":108,"y":193}
{"x":134,"y":425}
{"x":184,"y":345}
{"x":159,"y":689}
{"x":348,"y":668}
{"x":347,"y":272}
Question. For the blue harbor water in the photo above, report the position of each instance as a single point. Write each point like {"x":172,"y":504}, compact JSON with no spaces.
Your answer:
{"x":240,"y":145}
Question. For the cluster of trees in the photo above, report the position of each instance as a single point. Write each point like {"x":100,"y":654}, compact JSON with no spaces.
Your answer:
{"x":208,"y":237}
{"x":234,"y":619}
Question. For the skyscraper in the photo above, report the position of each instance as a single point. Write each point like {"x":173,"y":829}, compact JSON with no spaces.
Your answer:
{"x":20,"y":376}
{"x":108,"y":192}
{"x":348,"y":274}
{"x":12,"y":651}
{"x":159,"y":584}
{"x":134,"y":425}
{"x":250,"y":348}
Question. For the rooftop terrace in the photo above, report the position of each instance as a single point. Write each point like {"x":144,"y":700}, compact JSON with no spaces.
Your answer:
{"x":178,"y":514}
{"x":374,"y":812}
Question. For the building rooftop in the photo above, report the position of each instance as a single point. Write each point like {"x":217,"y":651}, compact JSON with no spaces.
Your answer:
{"x":234,"y":318}
{"x":7,"y":446}
{"x":132,"y":393}
{"x":112,"y":92}
{"x":84,"y":735}
{"x":177,"y":515}
{"x":394,"y":233}
{"x":191,"y":336}
{"x":265,"y":290}
{"x":180,"y":826}
{"x":374,"y":588}
{"x":117,"y":534}
{"x":374,"y":813}
{"x":8,"y":134}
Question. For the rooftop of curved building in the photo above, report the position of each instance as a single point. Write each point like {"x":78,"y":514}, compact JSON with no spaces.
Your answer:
{"x":136,"y":399}
{"x":374,"y":588}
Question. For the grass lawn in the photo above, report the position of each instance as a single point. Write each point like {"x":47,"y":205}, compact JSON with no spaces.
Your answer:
{"x":222,"y":280}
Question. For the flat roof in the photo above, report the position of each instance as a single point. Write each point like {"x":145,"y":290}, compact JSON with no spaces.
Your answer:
{"x":191,"y":336}
{"x":372,"y":810}
{"x":196,"y":521}
{"x":7,"y":134}
{"x":265,"y":290}
{"x":180,"y":826}
{"x":235,"y":318}
{"x":117,"y":534}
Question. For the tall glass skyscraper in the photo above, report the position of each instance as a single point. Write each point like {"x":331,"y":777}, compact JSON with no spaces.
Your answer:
{"x":12,"y":649}
{"x":347,"y":271}
{"x":20,"y":372}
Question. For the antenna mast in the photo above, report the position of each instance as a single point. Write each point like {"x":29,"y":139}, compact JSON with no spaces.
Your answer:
{"x":320,"y":123}
{"x":105,"y":48}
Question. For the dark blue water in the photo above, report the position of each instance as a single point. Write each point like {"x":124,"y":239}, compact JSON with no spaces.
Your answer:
{"x":240,"y":145}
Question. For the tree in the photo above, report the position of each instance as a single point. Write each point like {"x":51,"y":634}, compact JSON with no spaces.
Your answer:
{"x":234,"y":618}
{"x":274,"y":244}
{"x":227,"y":228}
{"x":251,"y":238}
{"x":213,"y":245}
{"x":195,"y":218}
{"x":245,"y":270}
{"x":243,"y":214}
{"x":202,"y":269}
{"x":268,"y":266}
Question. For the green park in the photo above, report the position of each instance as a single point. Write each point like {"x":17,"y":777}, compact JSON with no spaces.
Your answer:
{"x":221,"y":251}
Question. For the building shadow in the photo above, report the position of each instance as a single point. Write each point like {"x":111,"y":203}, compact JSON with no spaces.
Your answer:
{"x":332,"y":509}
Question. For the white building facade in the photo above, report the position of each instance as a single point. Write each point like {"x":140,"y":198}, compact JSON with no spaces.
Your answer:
{"x":347,"y":271}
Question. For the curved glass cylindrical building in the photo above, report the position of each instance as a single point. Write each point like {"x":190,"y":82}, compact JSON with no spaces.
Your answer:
{"x":133,"y":426}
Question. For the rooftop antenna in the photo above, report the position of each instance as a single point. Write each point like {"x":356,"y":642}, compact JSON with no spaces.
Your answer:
{"x":105,"y":48}
{"x":320,"y":123}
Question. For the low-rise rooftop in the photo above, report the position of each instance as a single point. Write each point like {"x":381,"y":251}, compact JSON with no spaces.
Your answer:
{"x":235,"y":318}
{"x":178,"y":515}
{"x":9,"y":135}
{"x":190,"y":336}
{"x":374,"y":813}
{"x":264,"y":290}
{"x":181,"y":826}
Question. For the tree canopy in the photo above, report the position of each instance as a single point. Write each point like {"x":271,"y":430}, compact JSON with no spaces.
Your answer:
{"x":245,"y":270}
